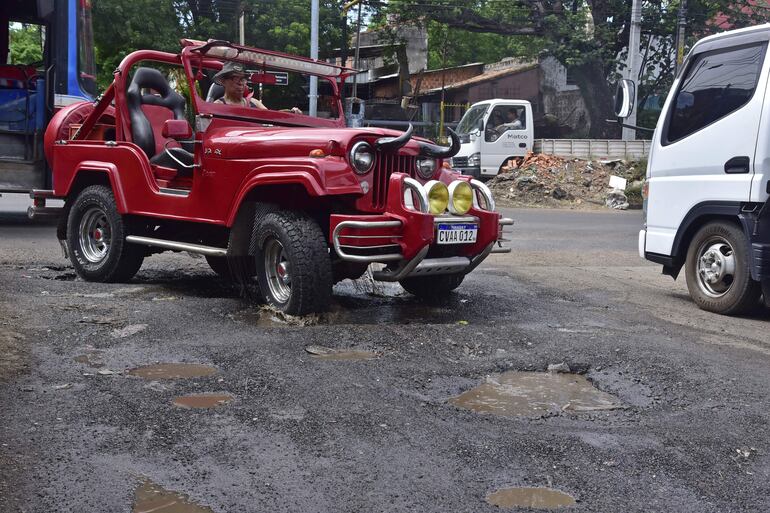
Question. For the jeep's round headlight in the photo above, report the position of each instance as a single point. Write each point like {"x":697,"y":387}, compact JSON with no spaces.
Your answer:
{"x":361,"y":157}
{"x":426,"y":166}
{"x":460,"y":197}
{"x":438,"y":196}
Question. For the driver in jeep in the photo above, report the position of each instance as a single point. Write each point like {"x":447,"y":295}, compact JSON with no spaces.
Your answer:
{"x":232,"y":78}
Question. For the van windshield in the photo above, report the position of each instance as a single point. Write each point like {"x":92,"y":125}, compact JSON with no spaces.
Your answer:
{"x":472,"y":120}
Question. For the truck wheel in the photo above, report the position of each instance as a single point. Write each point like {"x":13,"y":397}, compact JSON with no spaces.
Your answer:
{"x":294,"y":269}
{"x":432,"y":286}
{"x":96,"y":238}
{"x":717,"y":270}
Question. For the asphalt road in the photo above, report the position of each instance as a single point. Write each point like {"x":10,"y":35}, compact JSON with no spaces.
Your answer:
{"x":79,"y":434}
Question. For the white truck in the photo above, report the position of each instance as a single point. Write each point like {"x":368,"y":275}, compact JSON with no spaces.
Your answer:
{"x":491,"y":133}
{"x":706,"y":205}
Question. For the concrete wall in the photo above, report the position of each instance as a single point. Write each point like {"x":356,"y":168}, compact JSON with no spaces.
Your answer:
{"x":416,"y":40}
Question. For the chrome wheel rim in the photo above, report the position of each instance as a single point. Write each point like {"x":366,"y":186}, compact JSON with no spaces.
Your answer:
{"x":95,"y":235}
{"x":716,"y":267}
{"x":277,"y":271}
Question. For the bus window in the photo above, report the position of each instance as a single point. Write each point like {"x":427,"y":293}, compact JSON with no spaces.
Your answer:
{"x":86,"y":64}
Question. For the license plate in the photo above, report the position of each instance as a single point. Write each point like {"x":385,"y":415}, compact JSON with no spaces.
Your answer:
{"x":457,"y":233}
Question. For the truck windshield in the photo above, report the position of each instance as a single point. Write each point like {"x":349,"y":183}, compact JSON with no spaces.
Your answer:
{"x":472,"y":119}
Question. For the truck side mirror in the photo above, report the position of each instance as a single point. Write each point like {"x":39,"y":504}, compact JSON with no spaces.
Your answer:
{"x":177,"y":129}
{"x":625,"y":98}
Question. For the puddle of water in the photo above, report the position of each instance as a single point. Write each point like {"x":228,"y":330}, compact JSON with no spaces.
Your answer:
{"x":173,"y":371}
{"x":534,"y":394}
{"x":202,"y":400}
{"x":328,"y":353}
{"x":152,"y":498}
{"x":537,"y":498}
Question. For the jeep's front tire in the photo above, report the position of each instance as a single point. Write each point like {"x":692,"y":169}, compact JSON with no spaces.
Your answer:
{"x":717,"y":270}
{"x":294,"y":268}
{"x":432,"y":286}
{"x":96,"y":238}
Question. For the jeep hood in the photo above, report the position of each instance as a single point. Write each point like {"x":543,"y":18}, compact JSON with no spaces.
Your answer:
{"x":250,"y":143}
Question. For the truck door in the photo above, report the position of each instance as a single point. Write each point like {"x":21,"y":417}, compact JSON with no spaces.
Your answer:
{"x":508,"y":133}
{"x":704,"y":149}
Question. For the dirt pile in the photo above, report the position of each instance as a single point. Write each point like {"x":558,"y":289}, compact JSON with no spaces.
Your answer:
{"x":551,"y":181}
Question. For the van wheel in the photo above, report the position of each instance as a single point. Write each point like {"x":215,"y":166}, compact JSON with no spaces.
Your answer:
{"x":96,"y":238}
{"x":294,"y":268}
{"x":432,"y":286}
{"x":717,"y":270}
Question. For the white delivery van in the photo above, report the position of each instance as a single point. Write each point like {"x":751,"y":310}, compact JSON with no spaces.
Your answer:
{"x":491,"y":133}
{"x":706,"y":202}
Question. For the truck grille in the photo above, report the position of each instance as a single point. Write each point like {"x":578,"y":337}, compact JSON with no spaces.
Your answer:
{"x":459,"y":161}
{"x":385,"y":165}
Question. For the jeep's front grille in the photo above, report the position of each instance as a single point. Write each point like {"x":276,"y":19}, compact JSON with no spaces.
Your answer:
{"x":459,"y":161}
{"x":385,"y":165}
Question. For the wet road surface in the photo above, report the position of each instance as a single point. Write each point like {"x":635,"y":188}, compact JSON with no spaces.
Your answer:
{"x":86,"y":425}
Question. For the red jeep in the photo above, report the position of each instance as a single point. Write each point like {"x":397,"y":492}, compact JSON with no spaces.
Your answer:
{"x":298,"y":201}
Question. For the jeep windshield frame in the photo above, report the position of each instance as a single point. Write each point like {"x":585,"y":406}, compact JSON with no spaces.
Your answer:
{"x":198,"y":56}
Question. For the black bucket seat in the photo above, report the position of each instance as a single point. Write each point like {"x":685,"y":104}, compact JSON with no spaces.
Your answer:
{"x":141,"y":127}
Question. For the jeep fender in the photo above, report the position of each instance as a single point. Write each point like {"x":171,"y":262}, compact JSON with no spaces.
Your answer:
{"x":310,"y":177}
{"x":104,"y":168}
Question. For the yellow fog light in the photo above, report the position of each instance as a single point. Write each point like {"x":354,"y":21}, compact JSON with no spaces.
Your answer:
{"x":438,"y":196}
{"x":460,"y":197}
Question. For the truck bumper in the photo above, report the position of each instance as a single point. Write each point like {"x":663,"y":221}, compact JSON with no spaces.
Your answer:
{"x":642,"y":242}
{"x":404,"y":239}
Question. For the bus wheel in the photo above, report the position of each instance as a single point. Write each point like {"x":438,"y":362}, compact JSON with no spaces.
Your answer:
{"x":717,"y":270}
{"x":96,"y":238}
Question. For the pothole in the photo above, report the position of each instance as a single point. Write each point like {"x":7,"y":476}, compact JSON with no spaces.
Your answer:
{"x":173,"y":371}
{"x":152,"y":498}
{"x":202,"y":400}
{"x":537,"y":498}
{"x":329,"y":353}
{"x":535,"y":394}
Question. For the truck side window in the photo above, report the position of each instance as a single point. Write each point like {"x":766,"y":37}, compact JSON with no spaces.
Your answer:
{"x":716,"y":84}
{"x":503,"y":119}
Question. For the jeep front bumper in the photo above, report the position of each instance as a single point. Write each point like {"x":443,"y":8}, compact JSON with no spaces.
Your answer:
{"x":404,"y":238}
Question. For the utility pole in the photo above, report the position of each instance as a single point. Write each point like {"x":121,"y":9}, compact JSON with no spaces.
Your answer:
{"x":313,"y":55}
{"x":633,"y":61}
{"x":680,"y":27}
{"x":242,"y":27}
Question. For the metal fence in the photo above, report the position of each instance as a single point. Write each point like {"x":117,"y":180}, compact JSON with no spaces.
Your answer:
{"x":593,"y":148}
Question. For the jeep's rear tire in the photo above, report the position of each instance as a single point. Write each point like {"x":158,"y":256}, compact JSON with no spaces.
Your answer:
{"x":717,"y":270}
{"x":432,"y":286}
{"x":293,"y":264}
{"x":96,"y":238}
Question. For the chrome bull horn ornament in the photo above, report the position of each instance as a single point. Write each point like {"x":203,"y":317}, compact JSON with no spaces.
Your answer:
{"x":394,"y":143}
{"x":441,"y":152}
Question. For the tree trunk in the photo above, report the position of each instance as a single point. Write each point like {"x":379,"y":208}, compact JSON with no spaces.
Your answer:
{"x":599,"y":99}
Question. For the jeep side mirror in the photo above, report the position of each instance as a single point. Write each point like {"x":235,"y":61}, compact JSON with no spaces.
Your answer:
{"x":177,"y":129}
{"x":625,"y":98}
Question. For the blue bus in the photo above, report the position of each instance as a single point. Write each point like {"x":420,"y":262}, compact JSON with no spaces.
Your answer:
{"x":30,"y":92}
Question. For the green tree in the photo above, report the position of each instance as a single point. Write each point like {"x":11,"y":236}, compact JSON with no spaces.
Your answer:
{"x":122,"y":27}
{"x":26,"y":44}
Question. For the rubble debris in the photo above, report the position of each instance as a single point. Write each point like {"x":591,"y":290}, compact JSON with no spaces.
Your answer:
{"x":552,"y":181}
{"x":616,"y":199}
